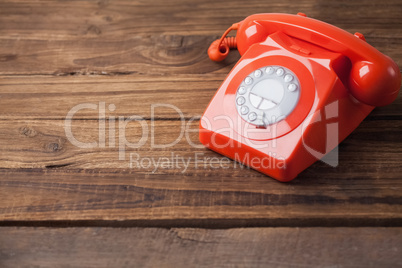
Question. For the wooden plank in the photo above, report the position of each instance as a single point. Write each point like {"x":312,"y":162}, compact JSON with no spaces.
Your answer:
{"x":119,"y":18}
{"x":61,"y":182}
{"x":53,"y":97}
{"x":131,"y":38}
{"x":113,"y":198}
{"x":153,"y":247}
{"x":157,"y":55}
{"x":44,"y":143}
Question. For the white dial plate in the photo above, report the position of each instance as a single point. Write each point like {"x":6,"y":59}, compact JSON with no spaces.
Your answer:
{"x":267,"y":95}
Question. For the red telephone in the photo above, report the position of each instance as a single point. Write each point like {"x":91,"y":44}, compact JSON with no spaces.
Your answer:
{"x":294,"y":71}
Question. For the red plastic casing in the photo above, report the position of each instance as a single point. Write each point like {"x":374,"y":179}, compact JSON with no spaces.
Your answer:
{"x":342,"y":79}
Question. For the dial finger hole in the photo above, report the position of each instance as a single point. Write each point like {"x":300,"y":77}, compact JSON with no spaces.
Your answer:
{"x":252,"y":116}
{"x":244,"y":110}
{"x":257,"y":73}
{"x":242,"y":90}
{"x":241,"y":100}
{"x":269,"y":70}
{"x":288,"y":78}
{"x":292,"y":87}
{"x":248,"y":80}
{"x":280,"y":72}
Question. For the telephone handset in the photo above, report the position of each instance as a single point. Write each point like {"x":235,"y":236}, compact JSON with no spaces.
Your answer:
{"x":295,"y":74}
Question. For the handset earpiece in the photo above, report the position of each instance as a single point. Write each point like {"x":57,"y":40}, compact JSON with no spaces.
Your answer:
{"x":219,"y":49}
{"x":376,"y":84}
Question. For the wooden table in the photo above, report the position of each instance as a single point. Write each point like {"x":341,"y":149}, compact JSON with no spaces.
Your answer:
{"x":113,"y":61}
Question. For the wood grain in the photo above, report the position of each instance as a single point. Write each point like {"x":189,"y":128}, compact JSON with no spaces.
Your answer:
{"x":41,"y":143}
{"x":53,"y":97}
{"x":134,"y":38}
{"x":62,"y":183}
{"x":129,"y":56}
{"x":110,"y":198}
{"x":132,"y":55}
{"x":153,"y":247}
